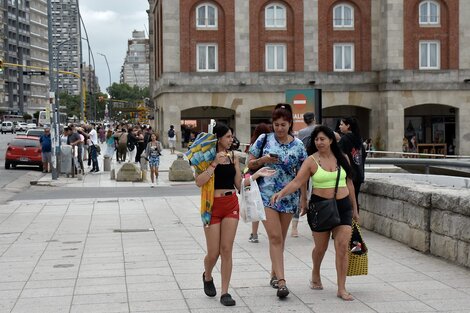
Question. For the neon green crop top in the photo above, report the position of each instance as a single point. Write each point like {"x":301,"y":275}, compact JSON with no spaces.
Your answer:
{"x":324,"y":179}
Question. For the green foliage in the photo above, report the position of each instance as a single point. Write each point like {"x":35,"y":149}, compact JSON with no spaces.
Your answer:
{"x":27,"y":116}
{"x":71,"y":102}
{"x":126,"y":92}
{"x":36,"y":115}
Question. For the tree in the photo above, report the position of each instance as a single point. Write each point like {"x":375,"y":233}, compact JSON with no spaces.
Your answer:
{"x":126,"y":92}
{"x":71,"y":102}
{"x":27,"y":116}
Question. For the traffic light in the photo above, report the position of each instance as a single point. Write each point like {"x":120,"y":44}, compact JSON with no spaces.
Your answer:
{"x":1,"y":66}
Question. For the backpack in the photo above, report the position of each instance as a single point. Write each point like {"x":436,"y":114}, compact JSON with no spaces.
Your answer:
{"x":171,"y":133}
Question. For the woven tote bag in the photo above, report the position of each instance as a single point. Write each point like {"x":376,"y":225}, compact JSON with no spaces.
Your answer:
{"x":357,"y":253}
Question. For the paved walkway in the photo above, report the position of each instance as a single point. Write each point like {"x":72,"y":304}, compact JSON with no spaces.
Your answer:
{"x":146,"y":255}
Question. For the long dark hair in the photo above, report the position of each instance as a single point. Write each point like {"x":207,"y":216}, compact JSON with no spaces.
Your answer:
{"x":220,"y":129}
{"x":261,"y":128}
{"x":353,"y":125}
{"x":284,"y":111}
{"x":340,"y":157}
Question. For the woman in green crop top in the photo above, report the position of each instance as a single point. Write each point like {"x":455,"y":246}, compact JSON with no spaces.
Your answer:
{"x":321,"y":167}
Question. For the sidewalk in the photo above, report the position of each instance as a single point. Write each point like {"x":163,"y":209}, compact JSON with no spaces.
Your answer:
{"x":103,"y":179}
{"x":146,"y":255}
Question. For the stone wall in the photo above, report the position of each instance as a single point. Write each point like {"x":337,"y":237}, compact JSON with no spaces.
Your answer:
{"x":427,"y":218}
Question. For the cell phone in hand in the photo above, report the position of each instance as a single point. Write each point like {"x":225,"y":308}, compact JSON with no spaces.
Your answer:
{"x":274,"y":155}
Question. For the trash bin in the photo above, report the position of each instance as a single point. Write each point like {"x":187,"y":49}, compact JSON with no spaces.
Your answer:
{"x":106,"y":163}
{"x":66,"y":159}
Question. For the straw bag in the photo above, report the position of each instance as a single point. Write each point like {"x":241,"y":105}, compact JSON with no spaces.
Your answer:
{"x":357,"y":253}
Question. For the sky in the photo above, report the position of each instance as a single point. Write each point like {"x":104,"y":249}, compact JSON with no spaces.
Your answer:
{"x":109,"y":24}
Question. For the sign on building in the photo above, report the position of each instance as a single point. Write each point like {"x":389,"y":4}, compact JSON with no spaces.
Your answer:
{"x":302,"y":101}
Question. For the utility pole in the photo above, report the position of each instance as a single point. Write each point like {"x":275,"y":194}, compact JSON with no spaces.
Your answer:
{"x":109,"y":74}
{"x":55,"y":126}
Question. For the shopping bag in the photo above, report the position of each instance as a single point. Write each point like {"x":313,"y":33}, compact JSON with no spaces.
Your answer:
{"x":251,"y":203}
{"x":357,"y":253}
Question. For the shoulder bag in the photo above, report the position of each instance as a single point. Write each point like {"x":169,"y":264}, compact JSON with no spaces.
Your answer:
{"x":323,"y":215}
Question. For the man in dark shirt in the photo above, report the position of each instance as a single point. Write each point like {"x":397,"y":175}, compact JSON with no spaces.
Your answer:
{"x":46,"y":148}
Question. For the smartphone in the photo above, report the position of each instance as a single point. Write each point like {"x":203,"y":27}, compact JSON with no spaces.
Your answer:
{"x":274,"y":155}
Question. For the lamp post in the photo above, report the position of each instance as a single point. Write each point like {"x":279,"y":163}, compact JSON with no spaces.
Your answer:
{"x":109,"y":74}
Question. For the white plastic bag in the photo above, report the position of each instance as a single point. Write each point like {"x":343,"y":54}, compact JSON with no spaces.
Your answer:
{"x":250,"y":202}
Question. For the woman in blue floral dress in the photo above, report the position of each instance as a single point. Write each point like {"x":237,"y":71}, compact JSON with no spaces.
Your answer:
{"x":283,"y":152}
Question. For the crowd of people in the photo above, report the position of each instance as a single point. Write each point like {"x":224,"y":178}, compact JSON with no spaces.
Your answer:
{"x":123,"y":142}
{"x":292,"y":172}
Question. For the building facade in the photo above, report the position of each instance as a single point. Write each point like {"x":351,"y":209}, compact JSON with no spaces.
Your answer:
{"x":39,"y":99}
{"x":2,"y":57}
{"x":135,"y":70}
{"x":401,"y":67}
{"x":17,"y":39}
{"x":66,"y":44}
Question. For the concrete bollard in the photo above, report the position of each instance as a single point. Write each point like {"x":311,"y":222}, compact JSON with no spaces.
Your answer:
{"x":180,"y":170}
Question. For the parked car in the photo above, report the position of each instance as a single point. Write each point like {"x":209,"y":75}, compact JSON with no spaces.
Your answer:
{"x":7,"y":127}
{"x":23,"y":150}
{"x":35,"y":132}
{"x":31,"y":125}
{"x":21,"y":127}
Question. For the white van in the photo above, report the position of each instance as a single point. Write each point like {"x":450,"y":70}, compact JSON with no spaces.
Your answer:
{"x":7,"y":127}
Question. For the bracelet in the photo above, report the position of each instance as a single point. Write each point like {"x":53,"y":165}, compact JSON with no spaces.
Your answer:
{"x":208,"y":174}
{"x":214,"y":166}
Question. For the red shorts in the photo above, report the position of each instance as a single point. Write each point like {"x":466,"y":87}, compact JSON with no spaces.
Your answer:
{"x":226,"y":206}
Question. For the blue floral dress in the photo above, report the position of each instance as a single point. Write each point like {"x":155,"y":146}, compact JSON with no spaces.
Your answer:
{"x":291,"y":157}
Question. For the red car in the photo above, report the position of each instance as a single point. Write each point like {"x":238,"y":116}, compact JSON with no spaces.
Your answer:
{"x":23,"y":150}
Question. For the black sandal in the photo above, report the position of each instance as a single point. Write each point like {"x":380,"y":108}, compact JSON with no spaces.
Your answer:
{"x":282,"y":291}
{"x":274,"y":282}
{"x":209,"y":287}
{"x":226,"y":299}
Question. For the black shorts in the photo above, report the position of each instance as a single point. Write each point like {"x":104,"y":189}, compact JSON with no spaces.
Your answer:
{"x":344,"y":209}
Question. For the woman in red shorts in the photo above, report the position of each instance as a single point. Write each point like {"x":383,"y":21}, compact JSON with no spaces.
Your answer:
{"x":220,"y":232}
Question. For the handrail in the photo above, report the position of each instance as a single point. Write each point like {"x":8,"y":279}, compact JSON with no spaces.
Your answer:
{"x":416,"y":154}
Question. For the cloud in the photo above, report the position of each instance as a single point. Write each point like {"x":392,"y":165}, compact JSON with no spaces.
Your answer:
{"x":110,"y":25}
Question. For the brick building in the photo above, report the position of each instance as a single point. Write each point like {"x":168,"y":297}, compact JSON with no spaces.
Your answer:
{"x":401,"y":67}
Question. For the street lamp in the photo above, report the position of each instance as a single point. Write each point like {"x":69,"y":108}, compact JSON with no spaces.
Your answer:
{"x":109,"y":74}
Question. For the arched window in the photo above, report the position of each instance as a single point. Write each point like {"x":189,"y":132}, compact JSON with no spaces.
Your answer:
{"x":429,"y":13}
{"x":275,"y":16}
{"x":343,"y":16}
{"x":206,"y":16}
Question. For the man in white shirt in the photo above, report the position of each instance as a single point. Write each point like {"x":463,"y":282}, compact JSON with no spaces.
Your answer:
{"x":93,"y":142}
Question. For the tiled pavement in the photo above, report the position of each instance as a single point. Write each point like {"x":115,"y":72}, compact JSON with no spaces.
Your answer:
{"x":146,"y":255}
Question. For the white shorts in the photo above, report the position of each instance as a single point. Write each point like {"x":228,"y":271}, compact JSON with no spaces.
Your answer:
{"x":172,"y":143}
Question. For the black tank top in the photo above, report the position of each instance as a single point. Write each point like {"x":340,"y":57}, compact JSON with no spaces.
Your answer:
{"x":224,"y":176}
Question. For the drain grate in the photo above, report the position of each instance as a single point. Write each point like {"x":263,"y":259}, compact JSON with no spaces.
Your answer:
{"x":135,"y":230}
{"x":107,"y":201}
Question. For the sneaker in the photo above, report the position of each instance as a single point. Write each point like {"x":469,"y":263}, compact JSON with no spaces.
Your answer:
{"x":253,"y":238}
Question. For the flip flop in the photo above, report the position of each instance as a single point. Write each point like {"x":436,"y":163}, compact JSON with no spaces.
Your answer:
{"x":316,"y":285}
{"x":345,"y":296}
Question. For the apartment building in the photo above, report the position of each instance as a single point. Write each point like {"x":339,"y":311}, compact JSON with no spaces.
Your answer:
{"x":2,"y":57}
{"x":401,"y":67}
{"x":39,"y":99}
{"x":66,"y":43}
{"x":135,"y":70}
{"x":16,"y":45}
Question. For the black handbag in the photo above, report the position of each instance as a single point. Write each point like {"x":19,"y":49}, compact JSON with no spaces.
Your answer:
{"x":323,"y":215}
